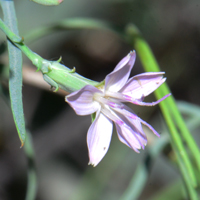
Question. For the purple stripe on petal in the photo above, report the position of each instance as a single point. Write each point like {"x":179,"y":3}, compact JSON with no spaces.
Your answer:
{"x":131,"y":131}
{"x":132,"y":121}
{"x":128,"y":137}
{"x":116,"y":105}
{"x":139,"y":131}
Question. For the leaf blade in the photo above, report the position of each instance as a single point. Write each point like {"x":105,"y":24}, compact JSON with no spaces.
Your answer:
{"x":15,"y":68}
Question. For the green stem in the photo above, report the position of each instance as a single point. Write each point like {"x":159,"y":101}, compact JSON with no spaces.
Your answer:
{"x":18,"y":41}
{"x":150,"y":64}
{"x":31,"y":174}
{"x":169,"y":110}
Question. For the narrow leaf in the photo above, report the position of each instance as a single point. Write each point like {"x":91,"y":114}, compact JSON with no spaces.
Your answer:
{"x":15,"y":68}
{"x":172,"y":116}
{"x":48,"y":2}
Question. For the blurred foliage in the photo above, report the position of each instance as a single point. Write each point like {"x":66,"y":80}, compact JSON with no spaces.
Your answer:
{"x":172,"y":30}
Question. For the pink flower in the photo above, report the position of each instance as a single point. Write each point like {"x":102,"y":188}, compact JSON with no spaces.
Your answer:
{"x":106,"y":102}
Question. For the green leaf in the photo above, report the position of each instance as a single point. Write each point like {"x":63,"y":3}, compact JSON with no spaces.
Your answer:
{"x":31,"y":171}
{"x":48,"y":2}
{"x":93,"y":116}
{"x":15,"y":68}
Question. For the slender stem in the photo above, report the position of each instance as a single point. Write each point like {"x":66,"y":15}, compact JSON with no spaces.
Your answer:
{"x":31,"y":174}
{"x":150,"y":64}
{"x":170,"y":113}
{"x":17,"y":41}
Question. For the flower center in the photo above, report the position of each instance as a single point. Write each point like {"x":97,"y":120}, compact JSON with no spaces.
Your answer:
{"x":106,"y":100}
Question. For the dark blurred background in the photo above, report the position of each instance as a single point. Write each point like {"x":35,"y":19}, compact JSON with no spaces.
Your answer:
{"x":171,"y":27}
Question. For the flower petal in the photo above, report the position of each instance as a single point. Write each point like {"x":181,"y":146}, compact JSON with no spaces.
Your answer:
{"x":128,"y":137}
{"x":82,"y":100}
{"x":143,"y":84}
{"x":141,"y":103}
{"x":127,"y":115}
{"x":131,"y":133}
{"x":150,"y":127}
{"x":129,"y":58}
{"x":136,"y":125}
{"x":132,"y":116}
{"x":119,"y":76}
{"x":98,"y":138}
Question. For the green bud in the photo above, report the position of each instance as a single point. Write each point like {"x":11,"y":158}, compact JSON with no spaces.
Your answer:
{"x":60,"y":76}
